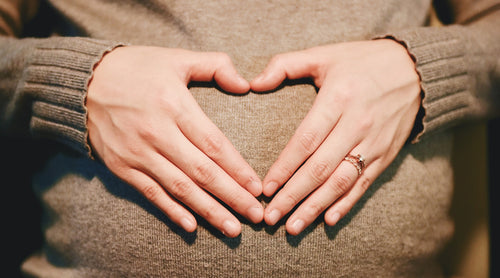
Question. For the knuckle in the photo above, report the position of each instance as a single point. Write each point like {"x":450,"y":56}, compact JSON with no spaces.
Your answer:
{"x":152,"y":192}
{"x":233,"y":200}
{"x":308,"y":141}
{"x":277,"y":60}
{"x":212,"y":145}
{"x":203,"y":174}
{"x":128,"y":175}
{"x":291,"y":198}
{"x":365,"y":123}
{"x":389,"y":149}
{"x":223,"y":58}
{"x":168,"y":103}
{"x":283,"y":169}
{"x":345,"y":91}
{"x":320,"y":171}
{"x":172,"y":210}
{"x":210,"y":213}
{"x":327,"y":114}
{"x":341,"y":184}
{"x":342,"y":97}
{"x":146,"y":133}
{"x":180,"y":189}
{"x":114,"y":162}
{"x":122,"y":171}
{"x":365,"y":183}
{"x":243,"y":174}
{"x":313,"y":210}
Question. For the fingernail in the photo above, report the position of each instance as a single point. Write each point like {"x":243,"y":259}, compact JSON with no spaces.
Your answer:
{"x":255,"y":187}
{"x":298,"y":225}
{"x":334,"y":218}
{"x":256,"y":214}
{"x":188,"y":224}
{"x":273,"y":216}
{"x":271,"y":188}
{"x":230,"y":228}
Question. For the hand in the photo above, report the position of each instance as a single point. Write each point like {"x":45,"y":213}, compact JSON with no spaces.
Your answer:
{"x":369,"y":95}
{"x":147,"y":128}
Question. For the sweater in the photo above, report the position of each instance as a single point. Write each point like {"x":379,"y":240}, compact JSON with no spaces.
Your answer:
{"x":95,"y":225}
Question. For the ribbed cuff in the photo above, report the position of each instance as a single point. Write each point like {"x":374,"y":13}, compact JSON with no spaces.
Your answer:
{"x":57,"y":76}
{"x":440,"y":61}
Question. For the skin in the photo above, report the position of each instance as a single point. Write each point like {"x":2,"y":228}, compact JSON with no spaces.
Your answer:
{"x":368,"y":99}
{"x":147,"y":128}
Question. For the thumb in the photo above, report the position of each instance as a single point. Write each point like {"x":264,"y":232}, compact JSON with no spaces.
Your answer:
{"x":208,"y":66}
{"x":292,"y":65}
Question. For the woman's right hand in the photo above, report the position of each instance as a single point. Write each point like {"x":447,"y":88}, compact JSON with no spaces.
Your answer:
{"x":147,"y":128}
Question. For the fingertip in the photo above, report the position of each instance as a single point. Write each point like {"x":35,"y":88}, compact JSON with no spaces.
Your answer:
{"x":254,"y":186}
{"x":256,"y":214}
{"x":331,"y":218}
{"x":267,"y":192}
{"x":272,"y":216}
{"x":188,"y":224}
{"x":270,"y":188}
{"x":228,"y":78}
{"x":257,"y":80}
{"x":271,"y":77}
{"x":231,"y":228}
{"x":242,"y":85}
{"x":265,"y":82}
{"x":296,"y":227}
{"x":233,"y":84}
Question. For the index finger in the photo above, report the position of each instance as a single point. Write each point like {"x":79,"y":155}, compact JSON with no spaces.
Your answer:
{"x":207,"y":137}
{"x":313,"y":130}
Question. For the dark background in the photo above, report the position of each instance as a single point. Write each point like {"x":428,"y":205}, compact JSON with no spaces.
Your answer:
{"x":20,"y":209}
{"x":494,"y":178}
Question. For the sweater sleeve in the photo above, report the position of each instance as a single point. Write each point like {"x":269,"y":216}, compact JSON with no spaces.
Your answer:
{"x":43,"y":82}
{"x":458,"y":63}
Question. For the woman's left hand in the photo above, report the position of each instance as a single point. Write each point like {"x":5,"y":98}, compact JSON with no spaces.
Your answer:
{"x":368,"y":99}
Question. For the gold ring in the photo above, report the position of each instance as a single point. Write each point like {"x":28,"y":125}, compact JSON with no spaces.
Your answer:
{"x":357,"y":161}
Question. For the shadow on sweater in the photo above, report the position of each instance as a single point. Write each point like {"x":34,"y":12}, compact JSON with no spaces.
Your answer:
{"x":75,"y":164}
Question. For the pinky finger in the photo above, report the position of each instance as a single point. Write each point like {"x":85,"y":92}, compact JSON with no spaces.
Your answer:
{"x":344,"y":204}
{"x":152,"y":191}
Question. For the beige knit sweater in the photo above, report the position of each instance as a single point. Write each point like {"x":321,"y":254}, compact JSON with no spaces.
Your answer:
{"x":97,"y":226}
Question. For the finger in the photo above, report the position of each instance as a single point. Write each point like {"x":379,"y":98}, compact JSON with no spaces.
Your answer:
{"x":315,"y":171}
{"x":208,"y":138}
{"x":340,"y":208}
{"x":155,"y":193}
{"x":210,"y":176}
{"x":183,"y":189}
{"x":291,"y":65}
{"x":208,"y":66}
{"x":340,"y":182}
{"x":310,"y":134}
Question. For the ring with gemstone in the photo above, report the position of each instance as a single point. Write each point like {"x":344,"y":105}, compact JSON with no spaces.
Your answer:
{"x":357,"y":161}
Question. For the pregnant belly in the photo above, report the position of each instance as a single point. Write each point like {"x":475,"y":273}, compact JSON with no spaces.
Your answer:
{"x":259,"y":125}
{"x":97,"y":226}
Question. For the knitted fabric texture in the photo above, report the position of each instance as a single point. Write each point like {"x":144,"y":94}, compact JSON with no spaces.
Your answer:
{"x":97,"y":226}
